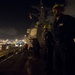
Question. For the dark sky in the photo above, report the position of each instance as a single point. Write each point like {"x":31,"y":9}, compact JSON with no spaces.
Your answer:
{"x":14,"y":19}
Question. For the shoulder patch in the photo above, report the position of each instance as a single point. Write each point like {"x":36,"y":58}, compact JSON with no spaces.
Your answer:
{"x":61,"y":24}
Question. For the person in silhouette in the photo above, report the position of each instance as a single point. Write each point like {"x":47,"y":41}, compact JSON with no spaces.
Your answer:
{"x":64,"y":34}
{"x":49,"y":44}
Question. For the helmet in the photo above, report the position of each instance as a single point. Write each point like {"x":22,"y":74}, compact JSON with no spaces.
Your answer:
{"x":58,"y":5}
{"x":46,"y":26}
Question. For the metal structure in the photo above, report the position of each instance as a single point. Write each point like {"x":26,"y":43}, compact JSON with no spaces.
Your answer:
{"x":41,"y":20}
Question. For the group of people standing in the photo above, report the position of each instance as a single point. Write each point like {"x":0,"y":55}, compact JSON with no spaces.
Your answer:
{"x":60,"y":43}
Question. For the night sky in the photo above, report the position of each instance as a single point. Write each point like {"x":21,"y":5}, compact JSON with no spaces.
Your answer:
{"x":14,"y":18}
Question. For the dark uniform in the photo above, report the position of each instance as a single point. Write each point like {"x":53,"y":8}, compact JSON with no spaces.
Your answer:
{"x":64,"y":55}
{"x":49,"y":42}
{"x":36,"y":47}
